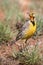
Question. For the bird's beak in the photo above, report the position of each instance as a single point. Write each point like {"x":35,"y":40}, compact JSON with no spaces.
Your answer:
{"x":31,"y":16}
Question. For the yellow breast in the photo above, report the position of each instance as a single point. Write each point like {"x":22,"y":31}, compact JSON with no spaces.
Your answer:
{"x":30,"y":31}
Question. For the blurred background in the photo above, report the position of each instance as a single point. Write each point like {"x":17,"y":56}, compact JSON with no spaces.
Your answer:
{"x":12,"y":12}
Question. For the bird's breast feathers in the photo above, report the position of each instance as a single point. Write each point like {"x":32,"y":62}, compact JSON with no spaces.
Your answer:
{"x":29,"y":30}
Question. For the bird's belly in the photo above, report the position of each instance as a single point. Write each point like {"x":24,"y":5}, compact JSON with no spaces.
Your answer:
{"x":29,"y":32}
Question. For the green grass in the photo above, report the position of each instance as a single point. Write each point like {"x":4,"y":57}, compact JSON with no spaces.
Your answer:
{"x":39,"y":20}
{"x":11,"y":9}
{"x":30,"y":56}
{"x":5,"y":33}
{"x":14,"y":14}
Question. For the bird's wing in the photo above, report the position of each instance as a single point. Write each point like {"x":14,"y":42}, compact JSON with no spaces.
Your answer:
{"x":23,"y":29}
{"x":25,"y":26}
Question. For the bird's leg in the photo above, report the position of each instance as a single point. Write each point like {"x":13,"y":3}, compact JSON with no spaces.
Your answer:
{"x":26,"y":40}
{"x":33,"y":37}
{"x":24,"y":44}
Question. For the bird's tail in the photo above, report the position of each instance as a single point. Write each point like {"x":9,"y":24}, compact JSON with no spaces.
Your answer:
{"x":19,"y":36}
{"x":14,"y":41}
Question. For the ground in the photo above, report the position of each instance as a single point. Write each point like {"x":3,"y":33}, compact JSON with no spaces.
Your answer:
{"x":6,"y":57}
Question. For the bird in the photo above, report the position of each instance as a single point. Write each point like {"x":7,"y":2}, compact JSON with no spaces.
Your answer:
{"x":28,"y":29}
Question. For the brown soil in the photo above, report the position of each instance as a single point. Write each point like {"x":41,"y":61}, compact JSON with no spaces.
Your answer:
{"x":6,"y":57}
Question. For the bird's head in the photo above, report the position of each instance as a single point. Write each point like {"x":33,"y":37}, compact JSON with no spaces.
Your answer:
{"x":31,"y":16}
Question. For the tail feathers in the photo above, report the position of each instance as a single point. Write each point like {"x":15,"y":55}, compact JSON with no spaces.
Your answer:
{"x":19,"y":36}
{"x":12,"y":42}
